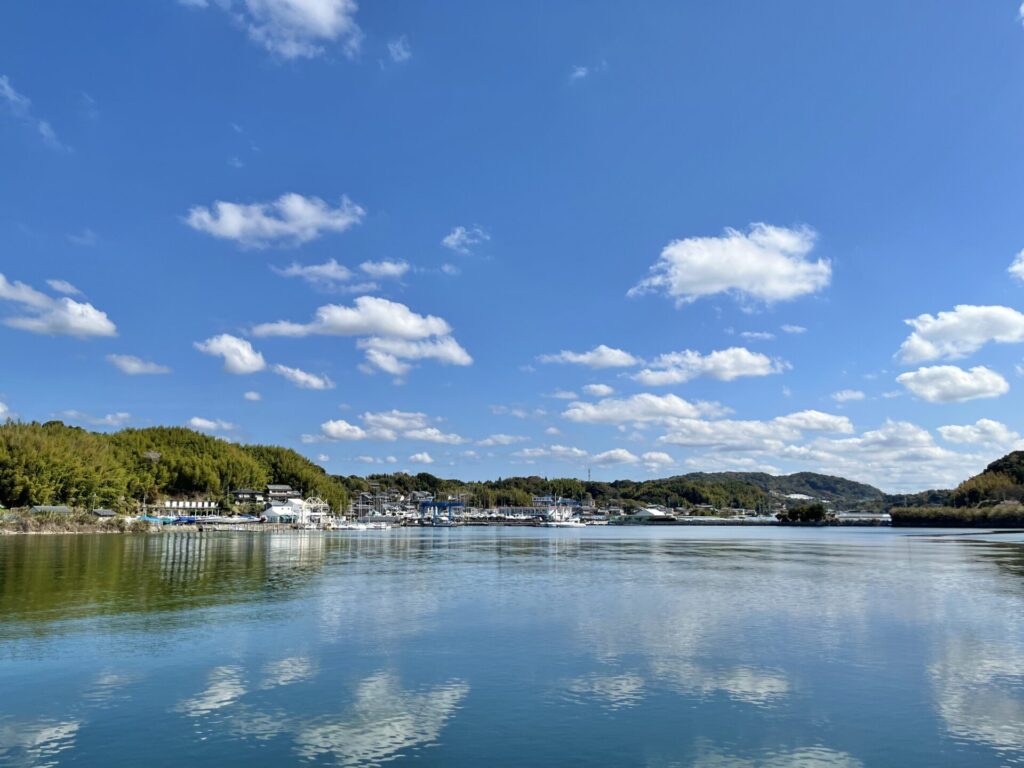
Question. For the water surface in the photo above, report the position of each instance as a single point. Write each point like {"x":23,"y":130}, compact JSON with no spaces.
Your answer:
{"x":724,"y":647}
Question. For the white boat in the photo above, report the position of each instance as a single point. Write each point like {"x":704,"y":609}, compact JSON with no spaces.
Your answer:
{"x":377,"y":525}
{"x":560,"y":518}
{"x":350,"y":526}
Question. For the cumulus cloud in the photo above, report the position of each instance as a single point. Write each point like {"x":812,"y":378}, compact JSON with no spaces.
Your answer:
{"x":614,"y":456}
{"x":655,"y":460}
{"x":392,"y":333}
{"x":339,"y":429}
{"x":370,"y":316}
{"x":766,"y":264}
{"x":1017,"y":267}
{"x":599,"y":390}
{"x":847,"y":395}
{"x":601,"y":356}
{"x":950,"y":384}
{"x":463,"y":239}
{"x":758,"y":335}
{"x":292,"y":219}
{"x":303,"y":379}
{"x":502,"y":439}
{"x":748,"y":435}
{"x":294,"y":29}
{"x":20,"y":107}
{"x":389,"y":426}
{"x":723,"y":364}
{"x":51,"y":316}
{"x":211,"y":425}
{"x":134,"y":366}
{"x":421,"y":458}
{"x":330,"y":273}
{"x":960,"y":332}
{"x":984,"y":432}
{"x":239,"y":355}
{"x":643,"y":407}
{"x":252,"y":396}
{"x":383,"y":269}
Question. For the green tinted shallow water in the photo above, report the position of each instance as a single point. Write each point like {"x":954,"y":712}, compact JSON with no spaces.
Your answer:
{"x":724,"y":647}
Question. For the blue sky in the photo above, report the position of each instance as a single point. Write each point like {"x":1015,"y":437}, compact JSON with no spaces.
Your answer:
{"x":485,"y":239}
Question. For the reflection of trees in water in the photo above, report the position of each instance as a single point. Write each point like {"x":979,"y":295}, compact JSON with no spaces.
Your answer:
{"x":45,"y":579}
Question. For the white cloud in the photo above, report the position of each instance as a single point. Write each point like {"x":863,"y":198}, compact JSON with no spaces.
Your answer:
{"x":614,"y":456}
{"x":383,"y":269}
{"x":793,"y":329}
{"x":958,"y":333}
{"x":644,"y":407}
{"x":758,"y":335}
{"x":984,"y":432}
{"x":292,"y":219}
{"x":328,"y":273}
{"x":399,"y":50}
{"x":766,"y":264}
{"x":4,"y":410}
{"x":388,"y":354}
{"x":552,"y":431}
{"x":723,"y":364}
{"x":53,"y":317}
{"x":303,"y":379}
{"x":252,"y":396}
{"x":1017,"y":267}
{"x":601,"y":356}
{"x":578,"y":73}
{"x":211,"y":425}
{"x":503,"y":439}
{"x":421,"y":458}
{"x":450,"y":269}
{"x":63,"y":286}
{"x":434,"y":435}
{"x":370,"y":316}
{"x":395,"y":420}
{"x":294,"y":29}
{"x":86,"y":238}
{"x":239,"y":355}
{"x":21,"y":107}
{"x":463,"y":239}
{"x":950,"y":384}
{"x":134,"y":366}
{"x":752,"y":435}
{"x":323,"y":458}
{"x":339,"y":429}
{"x":563,"y":452}
{"x":110,"y":420}
{"x":563,"y":394}
{"x":599,"y":390}
{"x":655,"y":460}
{"x":847,"y":395}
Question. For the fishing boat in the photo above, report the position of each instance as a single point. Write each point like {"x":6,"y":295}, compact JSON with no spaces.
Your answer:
{"x":560,"y":518}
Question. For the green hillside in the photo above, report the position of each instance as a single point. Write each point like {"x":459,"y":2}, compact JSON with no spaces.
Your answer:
{"x":53,"y":463}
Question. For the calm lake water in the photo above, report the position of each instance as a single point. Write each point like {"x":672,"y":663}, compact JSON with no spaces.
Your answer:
{"x":723,"y":647}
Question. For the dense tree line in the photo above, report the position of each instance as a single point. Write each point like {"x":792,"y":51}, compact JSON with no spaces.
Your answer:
{"x":53,"y":463}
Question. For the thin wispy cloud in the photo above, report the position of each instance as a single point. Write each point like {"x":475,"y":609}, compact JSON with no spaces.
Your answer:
{"x":20,"y":107}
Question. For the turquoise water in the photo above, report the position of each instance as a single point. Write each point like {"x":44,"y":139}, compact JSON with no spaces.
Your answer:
{"x":723,"y":647}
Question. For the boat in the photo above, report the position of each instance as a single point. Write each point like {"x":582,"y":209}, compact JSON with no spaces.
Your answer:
{"x":377,"y":525}
{"x":560,"y":518}
{"x":349,"y":526}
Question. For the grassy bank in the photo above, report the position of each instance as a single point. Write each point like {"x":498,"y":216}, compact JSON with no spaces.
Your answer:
{"x":78,"y":522}
{"x":999,"y":516}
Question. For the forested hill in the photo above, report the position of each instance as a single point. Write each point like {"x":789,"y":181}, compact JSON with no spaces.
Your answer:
{"x":827,"y":487}
{"x":53,"y":463}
